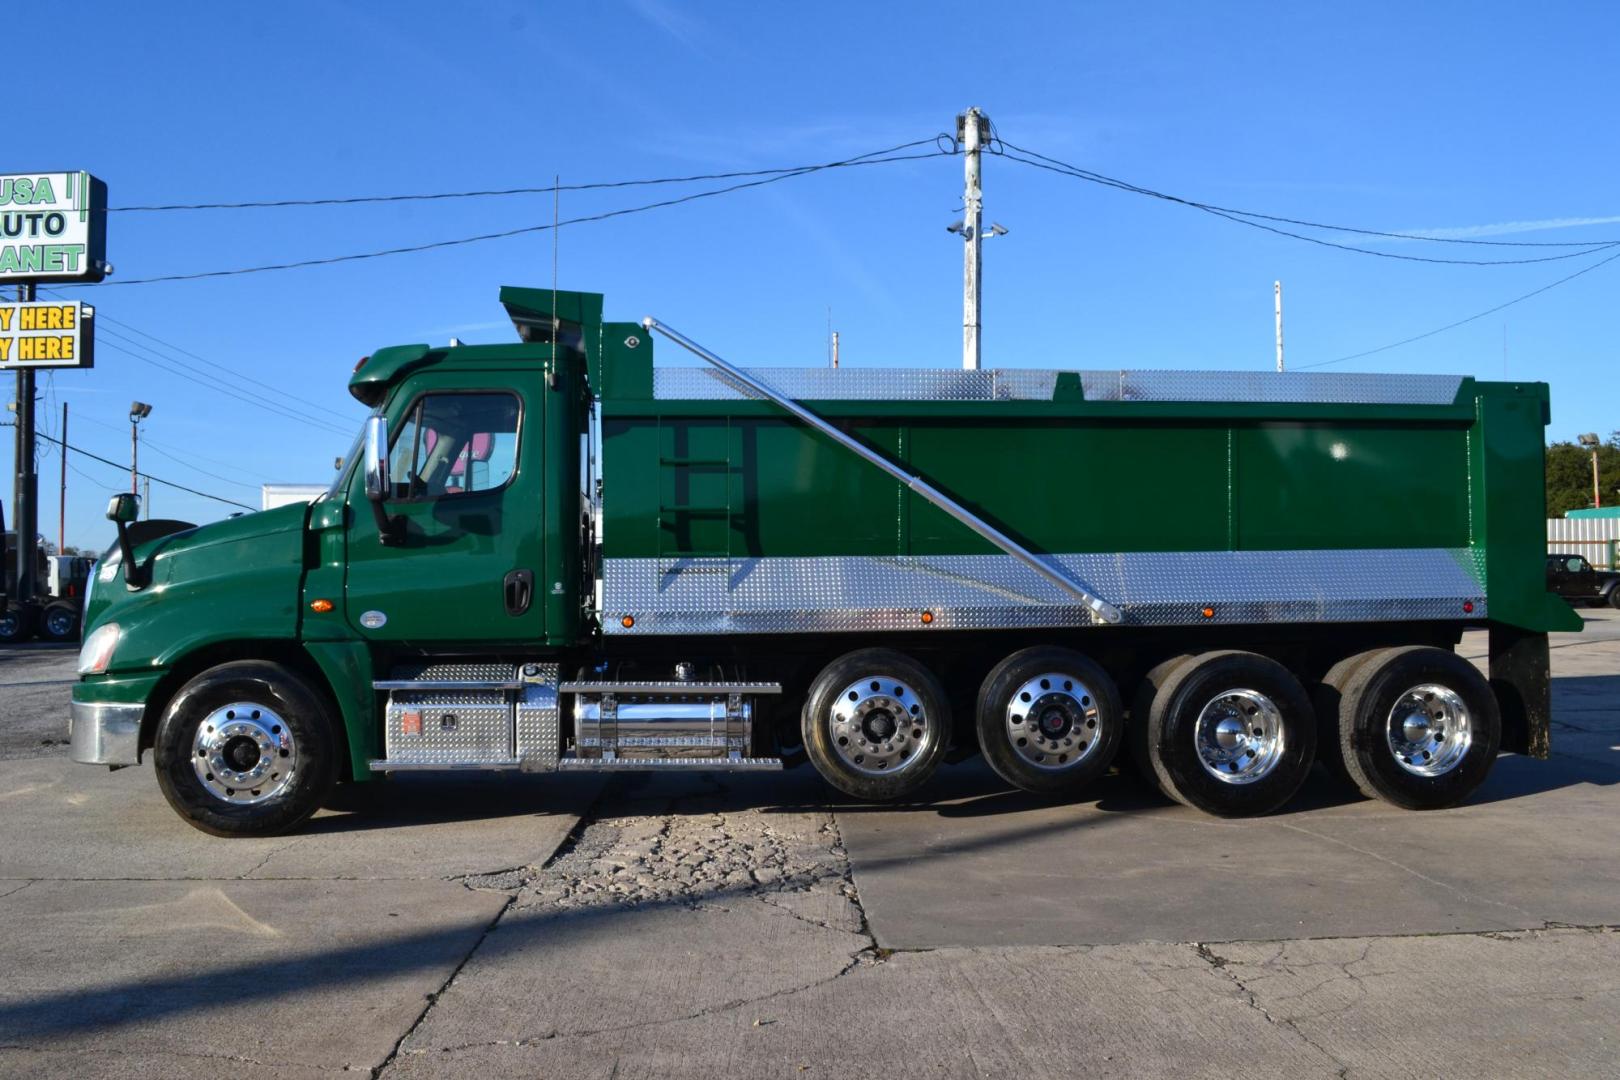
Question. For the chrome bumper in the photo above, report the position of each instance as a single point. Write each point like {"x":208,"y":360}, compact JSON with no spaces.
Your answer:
{"x":106,"y":733}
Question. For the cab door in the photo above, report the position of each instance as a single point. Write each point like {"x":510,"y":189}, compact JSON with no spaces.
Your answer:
{"x":466,"y":486}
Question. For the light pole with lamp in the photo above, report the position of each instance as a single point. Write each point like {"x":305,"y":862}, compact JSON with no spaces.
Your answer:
{"x":138,"y":411}
{"x":1592,"y":442}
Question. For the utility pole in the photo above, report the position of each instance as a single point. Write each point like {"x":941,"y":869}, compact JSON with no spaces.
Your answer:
{"x":25,"y":497}
{"x":61,"y":500}
{"x":835,"y":348}
{"x":1279,"y":327}
{"x":972,"y":129}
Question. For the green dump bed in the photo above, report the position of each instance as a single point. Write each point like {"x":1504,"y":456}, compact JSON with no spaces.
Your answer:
{"x":1181,"y":497}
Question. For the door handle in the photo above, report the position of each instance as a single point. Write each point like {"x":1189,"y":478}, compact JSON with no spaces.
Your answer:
{"x":519,"y":588}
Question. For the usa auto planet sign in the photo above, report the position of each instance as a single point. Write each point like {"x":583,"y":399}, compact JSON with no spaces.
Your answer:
{"x":53,"y":227}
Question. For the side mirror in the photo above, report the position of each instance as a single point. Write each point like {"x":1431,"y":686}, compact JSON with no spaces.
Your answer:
{"x":376,"y":459}
{"x":124,"y":508}
{"x":375,"y":467}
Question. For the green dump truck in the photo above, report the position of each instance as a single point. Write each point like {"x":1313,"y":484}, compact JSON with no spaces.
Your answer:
{"x":554,"y":555}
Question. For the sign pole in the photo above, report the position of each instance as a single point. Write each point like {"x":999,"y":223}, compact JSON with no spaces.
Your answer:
{"x":25,"y":502}
{"x":61,"y":498}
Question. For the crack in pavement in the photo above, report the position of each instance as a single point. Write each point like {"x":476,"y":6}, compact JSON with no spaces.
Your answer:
{"x":18,"y":889}
{"x":1222,"y":966}
{"x":246,"y":874}
{"x":695,"y":852}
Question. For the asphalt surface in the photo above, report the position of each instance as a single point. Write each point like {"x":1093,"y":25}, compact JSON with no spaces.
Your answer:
{"x":752,"y":925}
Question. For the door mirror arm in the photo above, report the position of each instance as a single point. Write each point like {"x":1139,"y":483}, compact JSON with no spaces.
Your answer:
{"x":376,"y":479}
{"x":124,"y":508}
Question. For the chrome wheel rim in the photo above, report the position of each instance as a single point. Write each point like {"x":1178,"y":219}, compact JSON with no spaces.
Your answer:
{"x":1051,"y":722}
{"x":244,"y":754}
{"x":879,"y":726}
{"x":1239,"y":736}
{"x":1429,"y":731}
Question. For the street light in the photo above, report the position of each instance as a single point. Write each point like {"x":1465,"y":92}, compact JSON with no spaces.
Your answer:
{"x":1592,"y":442}
{"x":138,"y":411}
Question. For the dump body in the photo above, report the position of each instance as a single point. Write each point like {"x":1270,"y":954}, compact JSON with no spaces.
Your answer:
{"x":1183,"y":497}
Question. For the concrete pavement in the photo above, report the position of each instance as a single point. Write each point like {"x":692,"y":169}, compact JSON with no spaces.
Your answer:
{"x":753,"y":926}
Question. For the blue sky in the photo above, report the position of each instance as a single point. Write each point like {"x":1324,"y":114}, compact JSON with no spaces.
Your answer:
{"x":1482,"y":119}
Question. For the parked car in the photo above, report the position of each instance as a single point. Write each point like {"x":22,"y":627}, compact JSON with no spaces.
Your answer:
{"x":1575,"y":579}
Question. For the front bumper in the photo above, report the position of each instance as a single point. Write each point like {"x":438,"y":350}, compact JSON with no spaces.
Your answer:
{"x":106,"y":732}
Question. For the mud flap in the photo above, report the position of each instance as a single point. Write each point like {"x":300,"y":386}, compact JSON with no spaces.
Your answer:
{"x":1523,"y":685}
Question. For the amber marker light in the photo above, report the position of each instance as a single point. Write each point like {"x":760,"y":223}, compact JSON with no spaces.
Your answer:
{"x":927,"y":617}
{"x":321,"y":607}
{"x":628,"y":621}
{"x":1208,"y":613}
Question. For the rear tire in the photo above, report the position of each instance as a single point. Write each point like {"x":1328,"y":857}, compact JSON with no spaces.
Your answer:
{"x":876,"y":724}
{"x":1230,"y":733}
{"x":60,"y":622}
{"x":1072,"y":741}
{"x":246,"y":749}
{"x":1141,"y":705}
{"x":17,"y":624}
{"x":1328,"y":698}
{"x":1419,"y":728}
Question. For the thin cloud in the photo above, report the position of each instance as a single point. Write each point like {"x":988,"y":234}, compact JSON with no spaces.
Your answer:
{"x":1509,"y":228}
{"x":677,"y":24}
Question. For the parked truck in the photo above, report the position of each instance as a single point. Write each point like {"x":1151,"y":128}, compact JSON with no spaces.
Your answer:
{"x":54,"y":614}
{"x":553,"y":555}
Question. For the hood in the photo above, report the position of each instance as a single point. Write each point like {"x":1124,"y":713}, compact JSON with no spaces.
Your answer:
{"x":230,"y":531}
{"x":221,"y":556}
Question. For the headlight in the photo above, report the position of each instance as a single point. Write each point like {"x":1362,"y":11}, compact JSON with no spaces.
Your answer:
{"x":97,"y":651}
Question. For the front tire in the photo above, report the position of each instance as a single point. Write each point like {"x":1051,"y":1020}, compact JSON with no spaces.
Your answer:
{"x":876,"y":724}
{"x":1049,"y":720}
{"x":1614,"y":598}
{"x":1419,"y":728}
{"x":246,"y":749}
{"x":1230,"y":733}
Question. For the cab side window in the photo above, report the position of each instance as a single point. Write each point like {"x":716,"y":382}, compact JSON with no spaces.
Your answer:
{"x":454,"y":444}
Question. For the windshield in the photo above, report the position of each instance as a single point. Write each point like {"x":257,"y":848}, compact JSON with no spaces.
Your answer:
{"x":350,"y":460}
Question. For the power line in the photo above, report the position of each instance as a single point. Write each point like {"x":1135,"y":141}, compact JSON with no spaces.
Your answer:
{"x":160,"y":480}
{"x":500,"y":192}
{"x":1256,"y":220}
{"x":148,"y":441}
{"x":865,"y":159}
{"x":101,"y":317}
{"x":192,"y":371}
{"x":1463,"y":322}
{"x":218,"y":386}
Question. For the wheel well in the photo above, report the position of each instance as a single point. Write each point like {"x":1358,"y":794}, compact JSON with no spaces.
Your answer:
{"x":287,"y":654}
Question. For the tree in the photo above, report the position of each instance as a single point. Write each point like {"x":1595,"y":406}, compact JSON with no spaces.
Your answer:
{"x":1569,"y":475}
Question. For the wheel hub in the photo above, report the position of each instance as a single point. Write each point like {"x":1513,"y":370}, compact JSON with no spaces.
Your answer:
{"x":878,"y":725}
{"x":1239,"y":736}
{"x":1429,"y":730}
{"x":1051,"y":721}
{"x":244,"y":753}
